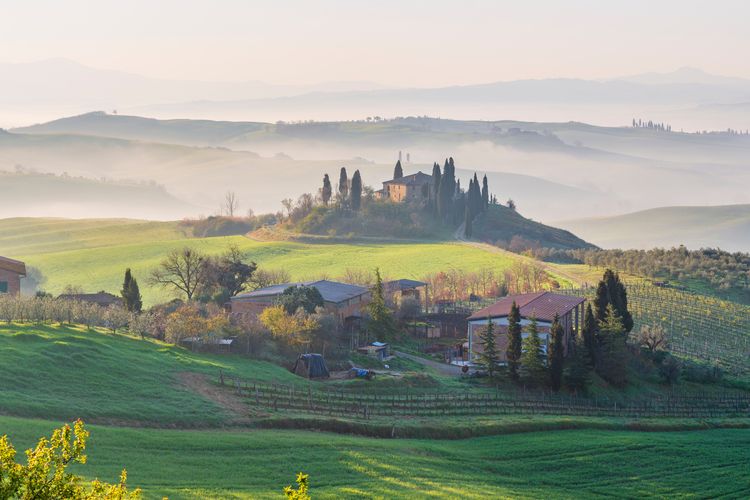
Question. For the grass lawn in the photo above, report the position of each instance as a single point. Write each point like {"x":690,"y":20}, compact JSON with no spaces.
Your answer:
{"x":102,"y":268}
{"x":562,"y":464}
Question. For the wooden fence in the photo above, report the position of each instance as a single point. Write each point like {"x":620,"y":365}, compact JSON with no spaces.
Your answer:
{"x":344,"y":403}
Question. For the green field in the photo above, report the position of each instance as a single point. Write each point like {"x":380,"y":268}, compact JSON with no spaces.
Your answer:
{"x":95,"y":254}
{"x":563,"y":464}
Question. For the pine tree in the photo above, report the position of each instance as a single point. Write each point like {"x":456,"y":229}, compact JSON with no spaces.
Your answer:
{"x":588,"y":333}
{"x":555,"y":354}
{"x":515,"y":346}
{"x":578,"y":368}
{"x":398,"y":172}
{"x":356,"y":194}
{"x":467,"y":222}
{"x":326,"y":191}
{"x":612,"y":358}
{"x":343,"y":184}
{"x":533,"y":371}
{"x":485,"y":193}
{"x":489,"y":358}
{"x":380,"y":324}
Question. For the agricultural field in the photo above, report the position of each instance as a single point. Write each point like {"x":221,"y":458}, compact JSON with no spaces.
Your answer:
{"x":141,"y":246}
{"x":563,"y":464}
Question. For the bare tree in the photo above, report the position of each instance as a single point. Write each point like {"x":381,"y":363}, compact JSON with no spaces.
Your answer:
{"x":231,"y":203}
{"x":652,"y":338}
{"x":183,"y":270}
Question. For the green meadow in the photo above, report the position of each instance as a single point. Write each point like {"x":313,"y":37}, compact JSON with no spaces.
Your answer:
{"x":94,"y":254}
{"x":561,"y":464}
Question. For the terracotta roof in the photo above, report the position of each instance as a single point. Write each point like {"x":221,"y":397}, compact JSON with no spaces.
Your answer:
{"x":541,"y":305}
{"x":100,"y":298}
{"x":418,"y":178}
{"x":14,"y":266}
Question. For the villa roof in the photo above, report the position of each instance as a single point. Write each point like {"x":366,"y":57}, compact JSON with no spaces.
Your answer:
{"x":418,"y":178}
{"x":331,"y":291}
{"x":541,"y":305}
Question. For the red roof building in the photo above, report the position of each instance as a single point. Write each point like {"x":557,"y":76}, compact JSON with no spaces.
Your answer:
{"x":11,"y":272}
{"x":543,"y":306}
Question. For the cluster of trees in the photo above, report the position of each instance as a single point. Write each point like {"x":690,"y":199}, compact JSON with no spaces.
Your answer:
{"x":348,"y":194}
{"x":651,"y":125}
{"x":601,"y":344}
{"x":725,"y":272}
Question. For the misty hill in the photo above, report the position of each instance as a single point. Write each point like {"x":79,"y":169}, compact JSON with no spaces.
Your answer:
{"x":34,"y":194}
{"x":727,"y":227}
{"x":201,"y":175}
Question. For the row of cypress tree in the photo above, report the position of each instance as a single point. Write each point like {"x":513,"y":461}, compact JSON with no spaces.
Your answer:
{"x":349,"y":192}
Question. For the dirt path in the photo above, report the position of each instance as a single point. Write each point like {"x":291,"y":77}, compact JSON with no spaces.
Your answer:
{"x":443,"y":368}
{"x":222,"y":396}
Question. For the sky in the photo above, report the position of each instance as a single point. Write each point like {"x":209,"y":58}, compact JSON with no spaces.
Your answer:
{"x":393,"y":42}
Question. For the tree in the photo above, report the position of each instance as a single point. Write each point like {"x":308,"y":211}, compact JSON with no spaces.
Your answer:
{"x":652,"y":338}
{"x":436,"y":175}
{"x":307,"y":298}
{"x":589,"y":334}
{"x":515,"y":346}
{"x":511,"y":204}
{"x":467,"y":222}
{"x":398,"y":172}
{"x":578,"y":369}
{"x":231,"y":203}
{"x":293,"y":329}
{"x":380,"y":323}
{"x":302,"y":490}
{"x":611,"y":290}
{"x":131,"y":294}
{"x":485,"y":193}
{"x":489,"y":358}
{"x":43,"y":476}
{"x":356,"y":194}
{"x":183,"y":270}
{"x":555,"y":354}
{"x":228,"y":274}
{"x":612,"y":359}
{"x":343,"y":185}
{"x":326,"y":191}
{"x":532,"y":358}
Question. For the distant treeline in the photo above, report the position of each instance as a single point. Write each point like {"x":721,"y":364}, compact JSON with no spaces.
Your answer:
{"x":727,"y":273}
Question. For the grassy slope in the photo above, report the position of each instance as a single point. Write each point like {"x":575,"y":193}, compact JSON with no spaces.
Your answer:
{"x":96,"y":256}
{"x":68,"y":372}
{"x":568,"y":464}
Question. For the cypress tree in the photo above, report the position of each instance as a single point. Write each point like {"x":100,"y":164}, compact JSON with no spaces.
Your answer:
{"x":485,"y":193}
{"x":398,"y":172}
{"x":447,"y":192}
{"x":579,"y":366}
{"x":489,"y":357}
{"x":435,"y":187}
{"x":611,"y":361}
{"x":380,"y":323}
{"x":326,"y":191}
{"x":514,"y":349}
{"x":555,"y":354}
{"x":343,"y":184}
{"x":532,"y":357}
{"x":588,"y":333}
{"x":611,"y":291}
{"x":601,"y":301}
{"x":467,"y":222}
{"x":356,"y":195}
{"x":125,"y":292}
{"x":136,"y":303}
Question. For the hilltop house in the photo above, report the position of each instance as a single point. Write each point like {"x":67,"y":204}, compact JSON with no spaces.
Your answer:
{"x":414,"y":187}
{"x":347,"y":302}
{"x":541,"y":305}
{"x":11,"y":272}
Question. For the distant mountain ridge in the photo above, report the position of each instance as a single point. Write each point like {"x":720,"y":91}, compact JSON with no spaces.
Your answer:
{"x":727,"y":227}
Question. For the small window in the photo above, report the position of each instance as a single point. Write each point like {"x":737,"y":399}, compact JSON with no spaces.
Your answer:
{"x":3,"y":287}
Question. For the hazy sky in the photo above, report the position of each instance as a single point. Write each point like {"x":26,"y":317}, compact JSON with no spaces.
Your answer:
{"x":399,"y":42}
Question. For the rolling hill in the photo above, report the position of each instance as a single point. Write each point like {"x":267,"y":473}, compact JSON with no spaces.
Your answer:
{"x":727,"y":227}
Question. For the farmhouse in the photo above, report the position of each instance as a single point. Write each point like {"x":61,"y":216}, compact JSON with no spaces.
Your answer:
{"x":103,"y":299}
{"x":342,"y":299}
{"x":542,"y":305}
{"x":11,"y":272}
{"x":414,"y":187}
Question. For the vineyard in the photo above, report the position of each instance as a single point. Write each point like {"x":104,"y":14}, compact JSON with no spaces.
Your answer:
{"x":698,"y":326}
{"x":356,"y":404}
